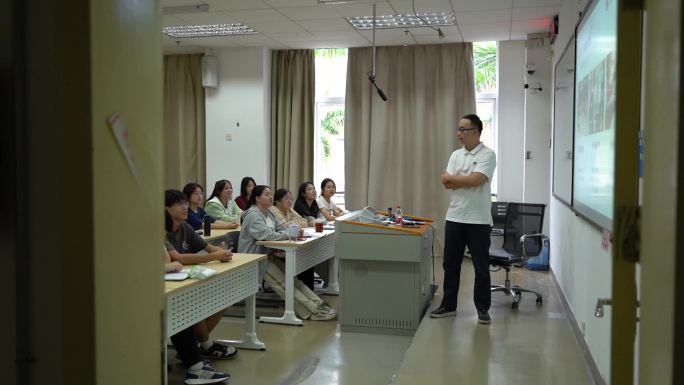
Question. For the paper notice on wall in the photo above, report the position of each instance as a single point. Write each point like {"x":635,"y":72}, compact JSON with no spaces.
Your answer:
{"x":121,"y":134}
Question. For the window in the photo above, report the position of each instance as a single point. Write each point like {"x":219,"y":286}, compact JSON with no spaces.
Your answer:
{"x":484,"y":62}
{"x":331,"y":79}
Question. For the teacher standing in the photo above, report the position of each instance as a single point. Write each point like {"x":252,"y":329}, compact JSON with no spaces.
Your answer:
{"x":468,"y":220}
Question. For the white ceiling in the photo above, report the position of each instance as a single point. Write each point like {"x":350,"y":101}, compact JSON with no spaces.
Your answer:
{"x":284,"y":24}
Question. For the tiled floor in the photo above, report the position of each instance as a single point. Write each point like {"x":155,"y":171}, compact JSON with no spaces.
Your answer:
{"x":533,"y":345}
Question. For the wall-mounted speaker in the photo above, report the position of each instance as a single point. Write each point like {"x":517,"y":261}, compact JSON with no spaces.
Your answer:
{"x":209,"y":72}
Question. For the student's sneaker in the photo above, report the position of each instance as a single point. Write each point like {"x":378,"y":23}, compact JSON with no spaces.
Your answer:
{"x":483,"y":317}
{"x":442,"y":312}
{"x":219,"y":352}
{"x":206,"y":375}
{"x":323,"y":313}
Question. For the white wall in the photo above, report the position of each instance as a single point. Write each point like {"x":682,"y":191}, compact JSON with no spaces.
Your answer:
{"x":583,"y":269}
{"x":511,"y":106}
{"x":239,"y":107}
{"x":537,"y":170}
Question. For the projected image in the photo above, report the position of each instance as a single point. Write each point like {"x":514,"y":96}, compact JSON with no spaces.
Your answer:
{"x":594,"y":167}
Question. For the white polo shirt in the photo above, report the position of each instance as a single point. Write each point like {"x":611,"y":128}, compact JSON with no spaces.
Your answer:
{"x":472,"y":204}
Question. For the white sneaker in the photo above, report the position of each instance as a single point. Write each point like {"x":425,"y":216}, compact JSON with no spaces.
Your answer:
{"x":206,"y":375}
{"x":324,"y":313}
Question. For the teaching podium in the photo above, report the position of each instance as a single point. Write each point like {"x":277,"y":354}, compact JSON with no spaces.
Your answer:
{"x":385,"y":273}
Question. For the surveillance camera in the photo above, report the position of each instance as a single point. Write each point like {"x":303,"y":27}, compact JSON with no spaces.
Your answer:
{"x":531,"y":69}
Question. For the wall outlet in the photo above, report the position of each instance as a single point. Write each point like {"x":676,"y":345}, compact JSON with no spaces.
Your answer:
{"x":229,"y":137}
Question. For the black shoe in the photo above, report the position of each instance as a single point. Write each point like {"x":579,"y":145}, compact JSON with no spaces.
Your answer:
{"x":483,"y":317}
{"x":442,"y":312}
{"x":218,"y":351}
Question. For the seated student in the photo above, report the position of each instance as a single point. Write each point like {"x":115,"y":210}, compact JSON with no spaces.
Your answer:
{"x":306,"y":205}
{"x":246,"y":187}
{"x":259,"y":224}
{"x":220,"y":204}
{"x":194,"y":193}
{"x":185,"y":342}
{"x":184,"y":245}
{"x":328,"y":208}
{"x":282,"y":209}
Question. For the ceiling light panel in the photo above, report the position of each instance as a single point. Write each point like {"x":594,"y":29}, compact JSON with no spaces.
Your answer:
{"x":403,"y":21}
{"x":208,"y":30}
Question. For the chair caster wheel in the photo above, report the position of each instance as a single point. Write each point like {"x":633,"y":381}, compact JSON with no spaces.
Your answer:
{"x":540,"y":301}
{"x":514,"y":305}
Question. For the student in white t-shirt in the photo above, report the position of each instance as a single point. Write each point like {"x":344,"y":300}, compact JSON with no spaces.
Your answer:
{"x":328,"y":208}
{"x":469,"y":219}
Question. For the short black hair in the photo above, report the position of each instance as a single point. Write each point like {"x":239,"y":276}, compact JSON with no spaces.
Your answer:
{"x":474,"y":119}
{"x":173,"y":196}
{"x":280,"y":194}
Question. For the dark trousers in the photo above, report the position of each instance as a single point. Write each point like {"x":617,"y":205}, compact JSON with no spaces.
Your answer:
{"x":456,"y":237}
{"x":307,"y":276}
{"x":185,"y":343}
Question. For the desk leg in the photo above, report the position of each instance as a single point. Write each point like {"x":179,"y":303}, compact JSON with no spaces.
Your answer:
{"x":289,"y":317}
{"x":251,"y":340}
{"x":333,"y":280}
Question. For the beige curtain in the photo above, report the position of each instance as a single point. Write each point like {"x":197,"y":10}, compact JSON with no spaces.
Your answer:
{"x":184,"y":121}
{"x":396,"y":151}
{"x":292,"y":117}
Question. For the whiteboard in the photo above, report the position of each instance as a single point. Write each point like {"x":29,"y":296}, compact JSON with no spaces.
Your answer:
{"x":563,"y":123}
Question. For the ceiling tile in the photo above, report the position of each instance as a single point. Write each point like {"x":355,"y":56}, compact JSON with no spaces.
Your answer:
{"x":349,"y":10}
{"x":277,"y":27}
{"x":423,"y":6}
{"x":172,"y":21}
{"x":309,"y":13}
{"x":257,"y":16}
{"x":291,"y":3}
{"x":252,"y":40}
{"x":483,"y":17}
{"x":480,"y":5}
{"x":234,"y":5}
{"x":323,"y":25}
{"x":486,"y":32}
{"x":206,"y":18}
{"x":337,"y":35}
{"x":535,"y":13}
{"x":536,"y":3}
{"x":212,"y":41}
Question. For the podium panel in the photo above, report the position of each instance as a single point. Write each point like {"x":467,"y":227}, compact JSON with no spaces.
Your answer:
{"x":385,"y":275}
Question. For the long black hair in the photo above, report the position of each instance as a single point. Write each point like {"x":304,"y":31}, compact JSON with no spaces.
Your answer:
{"x":301,"y":207}
{"x":218,"y":187}
{"x":258,"y":190}
{"x":325,"y":182}
{"x":243,"y":186}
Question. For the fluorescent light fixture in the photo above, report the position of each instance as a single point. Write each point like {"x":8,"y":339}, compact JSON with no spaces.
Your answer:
{"x":192,"y":8}
{"x":402,"y":21}
{"x":208,"y":30}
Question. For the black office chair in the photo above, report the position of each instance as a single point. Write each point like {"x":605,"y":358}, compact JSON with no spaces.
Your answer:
{"x":499,"y":218}
{"x":522,"y":239}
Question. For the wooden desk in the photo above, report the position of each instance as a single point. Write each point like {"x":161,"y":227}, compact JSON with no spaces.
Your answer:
{"x":300,"y":256}
{"x":192,"y":300}
{"x":218,"y":235}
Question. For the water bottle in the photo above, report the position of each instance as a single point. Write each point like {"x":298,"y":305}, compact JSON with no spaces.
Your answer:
{"x":389,"y":214}
{"x":398,"y":219}
{"x":207,"y":225}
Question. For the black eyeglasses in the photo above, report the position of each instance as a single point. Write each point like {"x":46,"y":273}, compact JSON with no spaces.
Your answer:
{"x":462,"y":130}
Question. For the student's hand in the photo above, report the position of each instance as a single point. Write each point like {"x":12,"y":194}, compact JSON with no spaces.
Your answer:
{"x":300,"y":233}
{"x":174,"y":267}
{"x":223,"y":255}
{"x":233,"y":225}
